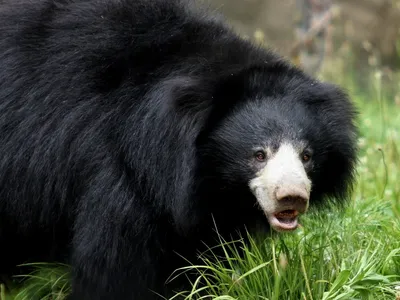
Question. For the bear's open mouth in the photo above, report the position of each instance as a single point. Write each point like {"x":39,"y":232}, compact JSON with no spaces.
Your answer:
{"x":285,"y":220}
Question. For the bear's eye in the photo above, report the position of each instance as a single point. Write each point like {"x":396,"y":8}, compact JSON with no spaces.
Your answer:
{"x":260,"y":156}
{"x":306,"y":157}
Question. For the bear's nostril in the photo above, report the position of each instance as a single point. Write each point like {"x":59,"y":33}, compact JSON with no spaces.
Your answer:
{"x":293,"y":199}
{"x":292,"y":194}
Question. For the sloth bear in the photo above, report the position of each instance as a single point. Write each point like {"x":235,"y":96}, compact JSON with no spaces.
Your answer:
{"x":129,"y":129}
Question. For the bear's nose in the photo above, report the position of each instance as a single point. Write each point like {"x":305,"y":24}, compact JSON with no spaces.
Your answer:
{"x":292,"y":196}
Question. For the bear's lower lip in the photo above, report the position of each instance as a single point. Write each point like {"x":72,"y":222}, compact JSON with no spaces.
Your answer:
{"x":286,"y":220}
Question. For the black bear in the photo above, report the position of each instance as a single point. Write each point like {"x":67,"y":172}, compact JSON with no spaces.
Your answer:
{"x":129,"y":129}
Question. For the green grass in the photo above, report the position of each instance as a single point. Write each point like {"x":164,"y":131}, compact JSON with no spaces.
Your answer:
{"x":47,"y":282}
{"x":351,"y":254}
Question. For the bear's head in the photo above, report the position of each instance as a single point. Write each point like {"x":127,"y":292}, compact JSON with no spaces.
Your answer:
{"x":276,"y":141}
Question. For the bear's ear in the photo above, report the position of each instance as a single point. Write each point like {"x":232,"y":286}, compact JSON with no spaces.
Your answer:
{"x":190,"y":95}
{"x":338,"y":133}
{"x":204,"y":98}
{"x":229,"y":90}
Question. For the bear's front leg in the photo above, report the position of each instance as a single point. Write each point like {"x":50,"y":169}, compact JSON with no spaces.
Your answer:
{"x":110,"y":262}
{"x":116,"y":252}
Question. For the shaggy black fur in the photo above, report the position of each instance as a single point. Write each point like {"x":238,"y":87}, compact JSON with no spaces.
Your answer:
{"x":124,"y":124}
